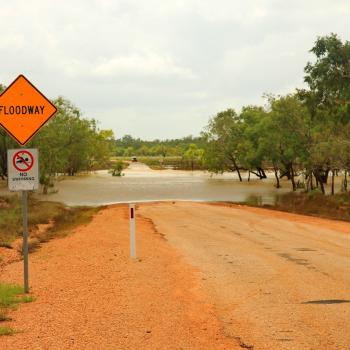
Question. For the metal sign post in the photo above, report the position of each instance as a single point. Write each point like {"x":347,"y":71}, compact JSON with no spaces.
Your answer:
{"x":132,"y":231}
{"x":23,"y":175}
{"x":25,"y":241}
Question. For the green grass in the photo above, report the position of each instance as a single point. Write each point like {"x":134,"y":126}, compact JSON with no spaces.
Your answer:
{"x":6,"y":331}
{"x":39,"y":212}
{"x":27,"y":299}
{"x":10,"y":296}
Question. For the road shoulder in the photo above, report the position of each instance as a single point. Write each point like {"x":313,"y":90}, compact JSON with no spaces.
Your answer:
{"x":90,"y":295}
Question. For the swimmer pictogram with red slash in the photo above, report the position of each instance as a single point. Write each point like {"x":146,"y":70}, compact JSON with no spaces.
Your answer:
{"x":23,"y":161}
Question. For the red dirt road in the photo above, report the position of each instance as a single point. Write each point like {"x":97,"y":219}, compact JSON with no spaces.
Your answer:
{"x":90,"y":295}
{"x":272,"y":280}
{"x":278,"y":280}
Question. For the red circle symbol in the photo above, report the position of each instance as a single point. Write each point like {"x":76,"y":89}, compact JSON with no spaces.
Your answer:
{"x":23,"y":161}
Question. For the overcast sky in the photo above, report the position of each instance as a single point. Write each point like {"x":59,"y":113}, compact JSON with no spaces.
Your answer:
{"x":161,"y":68}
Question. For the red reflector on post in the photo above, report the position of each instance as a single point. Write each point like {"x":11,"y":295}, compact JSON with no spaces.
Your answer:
{"x":132,"y":231}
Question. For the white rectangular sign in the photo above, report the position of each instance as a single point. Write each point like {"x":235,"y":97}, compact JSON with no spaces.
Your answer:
{"x":23,"y":169}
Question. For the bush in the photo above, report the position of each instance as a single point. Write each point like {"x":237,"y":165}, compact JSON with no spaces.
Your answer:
{"x":118,"y":168}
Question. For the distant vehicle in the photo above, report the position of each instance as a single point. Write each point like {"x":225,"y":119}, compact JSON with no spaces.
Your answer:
{"x":133,"y":159}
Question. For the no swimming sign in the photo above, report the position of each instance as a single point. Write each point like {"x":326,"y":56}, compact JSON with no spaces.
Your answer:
{"x":23,"y":169}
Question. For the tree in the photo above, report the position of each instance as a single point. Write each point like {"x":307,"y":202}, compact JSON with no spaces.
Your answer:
{"x":284,"y":137}
{"x":102,"y":148}
{"x":128,"y":152}
{"x":193,"y":153}
{"x":329,"y":76}
{"x":248,"y":149}
{"x":223,"y":135}
{"x":333,"y":153}
{"x":328,"y":103}
{"x":268,"y":145}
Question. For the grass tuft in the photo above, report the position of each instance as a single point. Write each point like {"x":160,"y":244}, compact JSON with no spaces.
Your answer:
{"x":8,"y":295}
{"x":6,"y":331}
{"x":27,"y":299}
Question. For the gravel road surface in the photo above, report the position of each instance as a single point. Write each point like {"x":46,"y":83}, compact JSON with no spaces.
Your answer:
{"x":277,"y":280}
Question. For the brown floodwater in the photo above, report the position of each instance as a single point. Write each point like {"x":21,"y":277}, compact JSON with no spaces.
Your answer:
{"x":140,"y":183}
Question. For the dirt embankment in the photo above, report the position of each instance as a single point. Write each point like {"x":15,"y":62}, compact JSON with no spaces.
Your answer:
{"x":90,"y":295}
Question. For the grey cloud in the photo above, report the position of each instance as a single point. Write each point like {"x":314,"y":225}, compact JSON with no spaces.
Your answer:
{"x":162,"y":68}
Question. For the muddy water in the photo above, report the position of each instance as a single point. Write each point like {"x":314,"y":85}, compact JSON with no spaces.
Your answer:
{"x":140,"y":183}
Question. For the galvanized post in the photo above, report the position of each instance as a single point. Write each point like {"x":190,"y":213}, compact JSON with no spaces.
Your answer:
{"x":25,"y":240}
{"x":132,"y":232}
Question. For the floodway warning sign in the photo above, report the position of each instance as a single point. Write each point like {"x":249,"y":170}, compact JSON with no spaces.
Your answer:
{"x":24,"y":110}
{"x":23,"y":169}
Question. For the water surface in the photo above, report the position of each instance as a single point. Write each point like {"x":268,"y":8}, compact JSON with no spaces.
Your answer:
{"x":140,"y":183}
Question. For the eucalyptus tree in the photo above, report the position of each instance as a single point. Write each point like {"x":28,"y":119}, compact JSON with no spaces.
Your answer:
{"x":223,"y":135}
{"x":250,"y":155}
{"x":284,"y":135}
{"x":193,"y":154}
{"x":328,"y":102}
{"x":269,"y":145}
{"x":329,"y":76}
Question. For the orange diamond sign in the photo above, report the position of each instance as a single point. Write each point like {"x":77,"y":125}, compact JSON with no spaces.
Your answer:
{"x":24,"y":110}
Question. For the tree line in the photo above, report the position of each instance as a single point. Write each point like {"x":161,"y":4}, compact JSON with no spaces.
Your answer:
{"x":185,"y":153}
{"x":305,"y":133}
{"x":128,"y":146}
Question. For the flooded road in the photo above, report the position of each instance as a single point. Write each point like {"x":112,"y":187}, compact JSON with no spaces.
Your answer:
{"x":140,"y":183}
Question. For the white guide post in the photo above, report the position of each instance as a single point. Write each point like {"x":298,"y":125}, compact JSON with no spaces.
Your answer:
{"x":132,"y":231}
